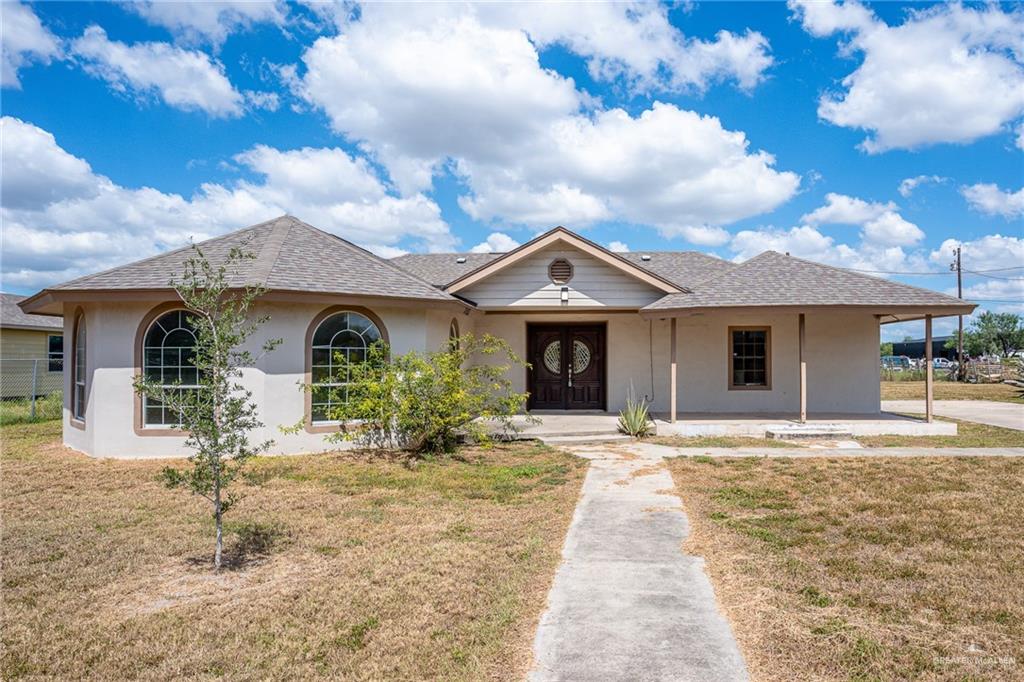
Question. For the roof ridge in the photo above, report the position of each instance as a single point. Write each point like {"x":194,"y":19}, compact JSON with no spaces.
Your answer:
{"x":863,"y":275}
{"x":372,"y":255}
{"x":270,"y":251}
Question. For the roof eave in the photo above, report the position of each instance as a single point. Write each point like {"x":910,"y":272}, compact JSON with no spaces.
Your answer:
{"x":50,"y":301}
{"x":902,"y":312}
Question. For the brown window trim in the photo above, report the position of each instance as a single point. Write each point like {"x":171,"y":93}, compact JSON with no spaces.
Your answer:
{"x":79,"y":316}
{"x":454,"y":324}
{"x":140,"y":338}
{"x":307,"y":378}
{"x":767,"y":356}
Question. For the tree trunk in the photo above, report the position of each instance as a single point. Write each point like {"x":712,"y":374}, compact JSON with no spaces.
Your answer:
{"x":217,"y":518}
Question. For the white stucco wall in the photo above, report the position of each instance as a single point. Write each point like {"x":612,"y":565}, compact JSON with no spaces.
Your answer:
{"x":842,"y":357}
{"x":275,"y":381}
{"x":841,"y":353}
{"x":627,"y":350}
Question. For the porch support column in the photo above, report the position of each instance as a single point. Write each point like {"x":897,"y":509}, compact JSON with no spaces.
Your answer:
{"x":672,"y":372}
{"x":928,"y":387}
{"x":803,"y":371}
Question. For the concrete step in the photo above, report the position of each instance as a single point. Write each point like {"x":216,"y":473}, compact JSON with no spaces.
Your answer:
{"x":580,"y":439}
{"x":817,"y":431}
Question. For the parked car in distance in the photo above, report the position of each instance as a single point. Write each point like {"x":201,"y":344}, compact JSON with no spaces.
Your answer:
{"x":895,"y":363}
{"x":943,"y":363}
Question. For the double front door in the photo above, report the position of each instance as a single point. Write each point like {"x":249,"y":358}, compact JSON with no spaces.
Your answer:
{"x":567,"y":366}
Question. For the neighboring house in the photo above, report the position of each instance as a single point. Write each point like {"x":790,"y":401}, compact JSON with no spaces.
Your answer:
{"x":31,"y":351}
{"x":693,"y":333}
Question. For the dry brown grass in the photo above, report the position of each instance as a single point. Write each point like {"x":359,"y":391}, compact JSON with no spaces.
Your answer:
{"x":343,"y":567}
{"x":968,"y":435}
{"x":951,"y":390}
{"x":889,"y":569}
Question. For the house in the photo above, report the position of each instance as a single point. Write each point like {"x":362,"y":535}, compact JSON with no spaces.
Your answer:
{"x":693,"y":333}
{"x":31,"y":351}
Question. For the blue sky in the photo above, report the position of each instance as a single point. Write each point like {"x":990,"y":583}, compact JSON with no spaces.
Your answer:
{"x":868,"y":136}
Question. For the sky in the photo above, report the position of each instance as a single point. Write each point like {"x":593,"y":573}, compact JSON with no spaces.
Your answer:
{"x":876,"y":137}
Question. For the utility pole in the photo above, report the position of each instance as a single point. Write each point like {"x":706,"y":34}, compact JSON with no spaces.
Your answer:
{"x":961,"y":371}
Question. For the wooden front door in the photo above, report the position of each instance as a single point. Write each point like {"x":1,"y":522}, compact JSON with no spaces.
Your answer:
{"x":568,"y":366}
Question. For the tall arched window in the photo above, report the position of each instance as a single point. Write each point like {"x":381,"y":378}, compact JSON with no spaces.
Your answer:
{"x":167,"y":358}
{"x":78,"y":370}
{"x":345,"y":334}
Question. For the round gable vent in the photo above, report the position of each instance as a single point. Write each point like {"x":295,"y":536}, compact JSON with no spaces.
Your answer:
{"x":560,"y":271}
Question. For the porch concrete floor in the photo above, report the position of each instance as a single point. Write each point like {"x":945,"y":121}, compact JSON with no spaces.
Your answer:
{"x":569,"y":424}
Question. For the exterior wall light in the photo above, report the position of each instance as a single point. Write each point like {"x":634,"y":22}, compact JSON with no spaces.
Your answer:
{"x":565,"y":295}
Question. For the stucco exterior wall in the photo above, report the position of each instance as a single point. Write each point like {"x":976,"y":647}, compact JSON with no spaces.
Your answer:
{"x":842,"y":364}
{"x":841,"y":351}
{"x":275,"y":381}
{"x":629,"y":343}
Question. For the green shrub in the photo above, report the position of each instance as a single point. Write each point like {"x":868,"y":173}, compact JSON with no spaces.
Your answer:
{"x":634,"y":419}
{"x":428,"y":402}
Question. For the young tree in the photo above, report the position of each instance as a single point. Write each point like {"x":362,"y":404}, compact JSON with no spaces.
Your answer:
{"x":885,"y":348}
{"x":218,"y":415}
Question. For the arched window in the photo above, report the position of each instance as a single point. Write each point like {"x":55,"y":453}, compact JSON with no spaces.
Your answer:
{"x":345,"y":334}
{"x":78,"y":370}
{"x":167,"y":358}
{"x":453,"y":333}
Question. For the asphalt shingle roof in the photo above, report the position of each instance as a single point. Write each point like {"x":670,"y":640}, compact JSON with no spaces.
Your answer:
{"x":683,"y":268}
{"x":774,"y":279}
{"x":289,"y":256}
{"x":11,"y":316}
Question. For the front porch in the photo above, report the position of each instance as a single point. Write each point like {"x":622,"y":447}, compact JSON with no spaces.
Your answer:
{"x":582,"y":425}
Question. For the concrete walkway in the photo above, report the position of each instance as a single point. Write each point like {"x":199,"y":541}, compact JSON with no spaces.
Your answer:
{"x":1007,"y":415}
{"x":627,"y":603}
{"x":654,"y":450}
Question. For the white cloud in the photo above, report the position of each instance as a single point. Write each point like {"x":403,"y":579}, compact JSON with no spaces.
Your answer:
{"x":630,"y":42}
{"x":674,"y":169}
{"x":530,"y":147}
{"x":947,"y":74}
{"x":880,"y":223}
{"x":35,"y":170}
{"x":183,"y":79}
{"x":989,"y":199}
{"x":209,"y":21}
{"x":618,"y":247}
{"x":496,"y":242}
{"x":62,"y":220}
{"x":1020,"y":136}
{"x":991,"y":252}
{"x":807,"y":242}
{"x":478,"y":91}
{"x":908,"y":185}
{"x":23,"y":41}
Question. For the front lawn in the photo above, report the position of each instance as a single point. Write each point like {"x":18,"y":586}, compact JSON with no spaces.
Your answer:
{"x":341,"y":566}
{"x":969,"y":435}
{"x":951,"y":390}
{"x":864,"y":569}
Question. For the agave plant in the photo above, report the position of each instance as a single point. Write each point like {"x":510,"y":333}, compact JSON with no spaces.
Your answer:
{"x":634,"y":419}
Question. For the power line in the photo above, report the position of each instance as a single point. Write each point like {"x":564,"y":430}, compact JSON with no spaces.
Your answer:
{"x":997,"y":300}
{"x":900,"y":272}
{"x":982,"y":274}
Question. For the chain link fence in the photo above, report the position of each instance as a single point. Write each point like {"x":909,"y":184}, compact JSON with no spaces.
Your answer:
{"x":31,"y":389}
